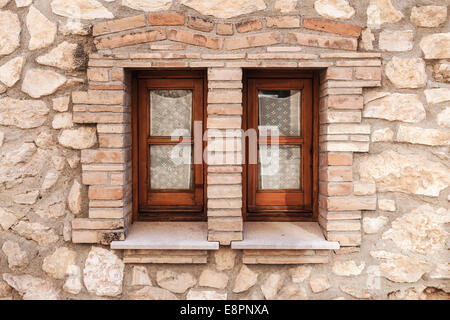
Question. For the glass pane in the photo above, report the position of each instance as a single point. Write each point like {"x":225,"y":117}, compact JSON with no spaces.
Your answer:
{"x":170,"y":113}
{"x":171,"y":167}
{"x":280,"y":108}
{"x":279,"y":167}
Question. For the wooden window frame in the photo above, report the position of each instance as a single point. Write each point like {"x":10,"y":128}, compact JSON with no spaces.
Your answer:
{"x":252,"y":211}
{"x":172,"y":205}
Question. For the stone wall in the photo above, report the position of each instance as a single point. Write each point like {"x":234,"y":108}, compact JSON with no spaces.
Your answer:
{"x":385,"y":131}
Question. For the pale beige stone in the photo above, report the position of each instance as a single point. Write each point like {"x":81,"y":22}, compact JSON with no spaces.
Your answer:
{"x":81,"y":9}
{"x":32,"y":288}
{"x":358,"y":293}
{"x":11,"y":71}
{"x":387,"y":205}
{"x":74,"y":198}
{"x":152,"y":293}
{"x":62,"y":121}
{"x":367,"y":39}
{"x":436,"y":46}
{"x":233,"y":8}
{"x":103,"y":273}
{"x":374,"y":225}
{"x":24,"y":114}
{"x":54,"y":210}
{"x":2,"y":138}
{"x":51,"y":177}
{"x":213,"y":279}
{"x":29,"y":197}
{"x":7,"y":219}
{"x":334,"y":9}
{"x":407,"y":173}
{"x":74,"y":27}
{"x":23,"y":3}
{"x":417,"y":135}
{"x":435,"y":96}
{"x":396,"y":40}
{"x":382,"y":11}
{"x":292,"y":292}
{"x":148,"y":5}
{"x":197,"y":294}
{"x":272,"y":285}
{"x":364,"y":188}
{"x":428,"y":16}
{"x":41,"y":29}
{"x":3,"y":3}
{"x":396,"y":107}
{"x":348,"y":268}
{"x":57,"y":264}
{"x":443,"y":118}
{"x":140,"y":277}
{"x":79,"y":138}
{"x":319,"y":283}
{"x":422,"y":230}
{"x":9,"y":32}
{"x":441,"y":271}
{"x":5,"y":290}
{"x":224,"y":258}
{"x":73,"y":282}
{"x":44,"y":140}
{"x":73,"y":161}
{"x":382,"y":135}
{"x":36,"y":231}
{"x":41,"y":82}
{"x":400,"y":268}
{"x":58,"y":162}
{"x":17,"y":258}
{"x":441,"y":71}
{"x":61,"y":104}
{"x":406,"y":73}
{"x":245,"y":279}
{"x":300,"y":273}
{"x":66,"y":56}
{"x":285,"y":6}
{"x":175,"y":282}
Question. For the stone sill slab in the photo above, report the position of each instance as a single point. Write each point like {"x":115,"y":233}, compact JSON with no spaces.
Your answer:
{"x":167,"y":236}
{"x":283,"y":236}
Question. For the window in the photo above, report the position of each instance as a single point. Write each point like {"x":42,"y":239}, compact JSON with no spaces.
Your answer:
{"x":170,"y":183}
{"x":281,"y":169}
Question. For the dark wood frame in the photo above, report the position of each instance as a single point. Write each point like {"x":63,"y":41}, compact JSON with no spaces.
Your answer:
{"x":172,"y":205}
{"x":252,"y":203}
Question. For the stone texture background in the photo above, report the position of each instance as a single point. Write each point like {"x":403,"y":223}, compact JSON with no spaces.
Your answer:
{"x":404,"y":250}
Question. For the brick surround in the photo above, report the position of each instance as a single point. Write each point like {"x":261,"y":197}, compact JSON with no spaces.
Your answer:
{"x":163,"y":41}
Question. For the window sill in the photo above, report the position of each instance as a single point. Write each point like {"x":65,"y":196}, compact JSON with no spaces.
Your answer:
{"x":166,"y":236}
{"x":283,"y":236}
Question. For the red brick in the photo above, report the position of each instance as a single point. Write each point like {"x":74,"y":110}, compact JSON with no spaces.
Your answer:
{"x":339,"y":74}
{"x":117,"y":74}
{"x":200,"y":24}
{"x":283,"y":22}
{"x":102,"y":193}
{"x":94,"y":178}
{"x":118,"y":25}
{"x":344,"y":29}
{"x":130,"y":39}
{"x":195,"y":39}
{"x":98,"y":97}
{"x":335,"y":189}
{"x":254,"y":40}
{"x":336,"y":174}
{"x":336,"y":159}
{"x":345,"y":102}
{"x":225,"y":74}
{"x":98,"y":74}
{"x":102,"y":156}
{"x":95,"y":86}
{"x":224,"y":29}
{"x":348,"y":203}
{"x":248,"y":25}
{"x":320,"y":41}
{"x":166,"y":19}
{"x":368,"y":73}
